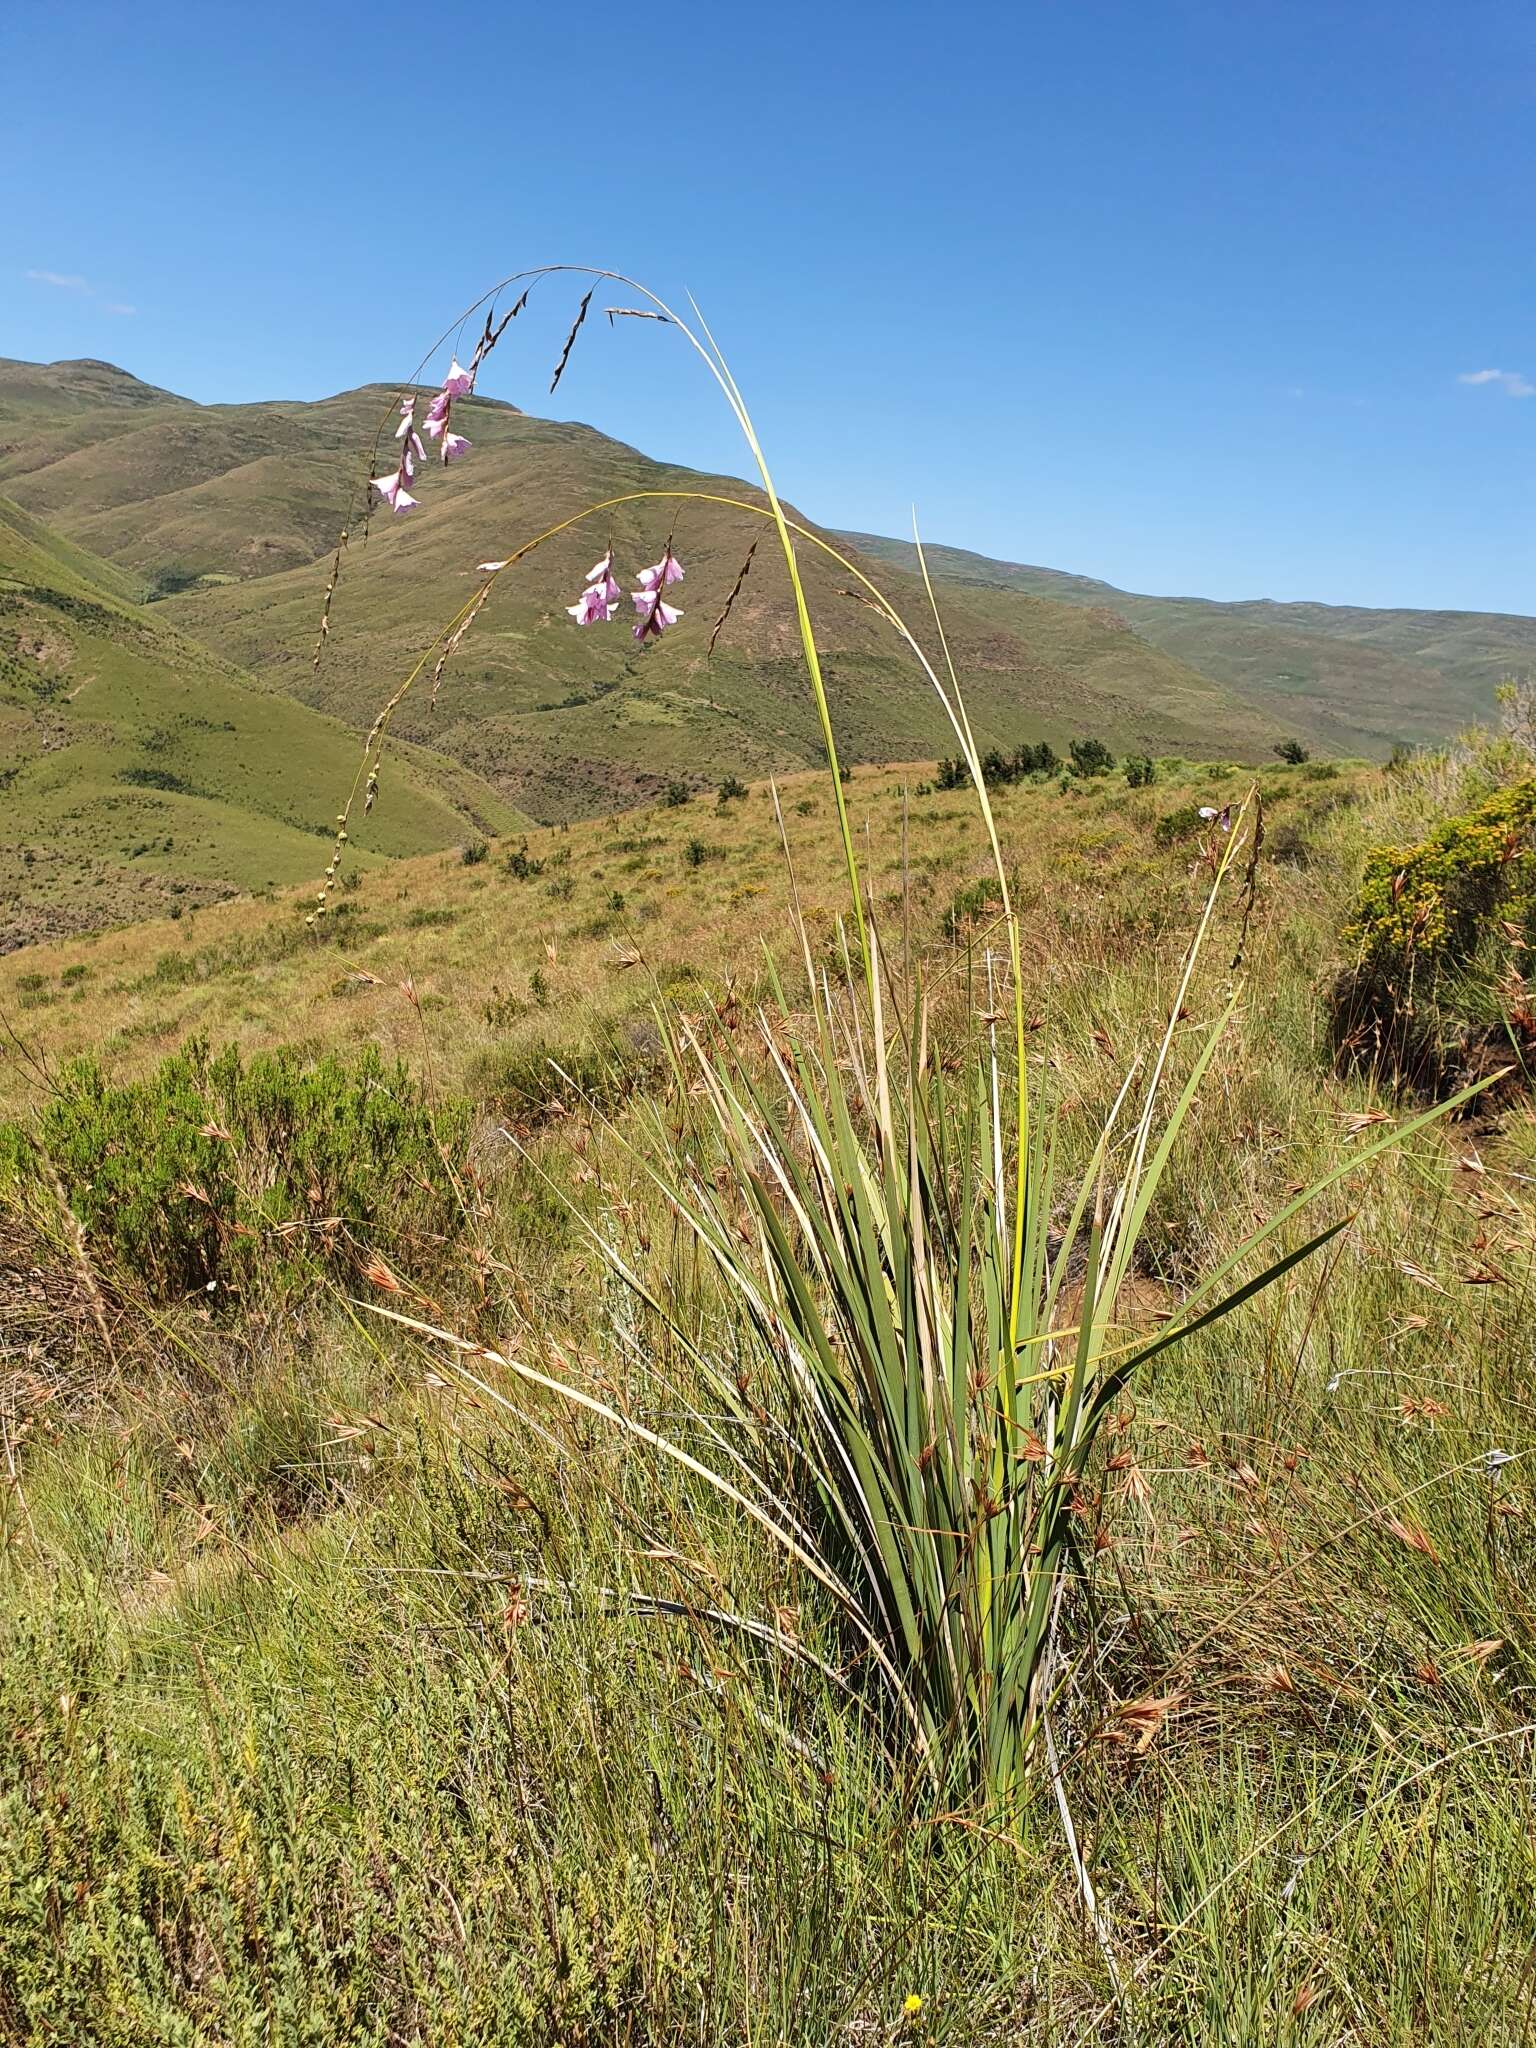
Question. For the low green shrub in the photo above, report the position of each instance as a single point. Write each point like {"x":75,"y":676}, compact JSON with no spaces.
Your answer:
{"x":1178,"y":825}
{"x":217,"y":1173}
{"x":1030,"y":758}
{"x":533,"y":1082}
{"x":1435,"y":929}
{"x":521,"y":865}
{"x":974,"y":905}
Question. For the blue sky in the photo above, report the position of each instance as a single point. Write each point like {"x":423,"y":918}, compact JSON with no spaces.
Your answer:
{"x":1182,"y":295}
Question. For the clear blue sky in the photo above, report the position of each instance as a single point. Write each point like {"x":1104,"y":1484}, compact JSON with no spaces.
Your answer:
{"x":1176,"y":293}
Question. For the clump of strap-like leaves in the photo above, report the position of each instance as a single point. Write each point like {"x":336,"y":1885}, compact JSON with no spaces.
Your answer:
{"x":929,"y":1362}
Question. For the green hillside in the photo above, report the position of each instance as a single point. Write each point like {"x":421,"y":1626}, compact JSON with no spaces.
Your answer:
{"x":140,"y":771}
{"x":242,"y":503}
{"x":229,"y":513}
{"x":1347,"y":677}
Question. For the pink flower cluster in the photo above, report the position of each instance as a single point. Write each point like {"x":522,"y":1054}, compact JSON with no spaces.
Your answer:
{"x":392,"y":487}
{"x":596,"y":603}
{"x":458,"y":383}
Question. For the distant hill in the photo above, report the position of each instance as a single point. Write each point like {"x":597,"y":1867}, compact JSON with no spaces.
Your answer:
{"x":1349,"y":678}
{"x":228,"y":514}
{"x":234,"y":509}
{"x":138,"y":771}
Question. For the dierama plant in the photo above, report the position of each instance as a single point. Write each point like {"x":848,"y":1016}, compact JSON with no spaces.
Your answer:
{"x":917,"y":1424}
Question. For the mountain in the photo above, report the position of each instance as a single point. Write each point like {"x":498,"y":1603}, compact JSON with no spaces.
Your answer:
{"x":233,"y":510}
{"x":228,"y":515}
{"x":1349,"y":678}
{"x":140,"y":771}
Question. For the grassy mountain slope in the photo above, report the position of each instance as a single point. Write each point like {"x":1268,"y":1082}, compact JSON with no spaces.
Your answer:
{"x":334,"y":1689}
{"x":1347,"y":677}
{"x":569,"y":943}
{"x":246,"y":500}
{"x":139,"y":769}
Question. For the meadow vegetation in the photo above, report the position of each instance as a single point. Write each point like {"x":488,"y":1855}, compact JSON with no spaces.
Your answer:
{"x":344,"y":1704}
{"x":844,"y":1415}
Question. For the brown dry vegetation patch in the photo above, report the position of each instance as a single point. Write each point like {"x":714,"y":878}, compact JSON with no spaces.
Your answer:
{"x":47,"y":1302}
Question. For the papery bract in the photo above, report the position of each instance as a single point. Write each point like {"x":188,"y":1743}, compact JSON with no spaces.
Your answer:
{"x":600,"y":576}
{"x":655,"y":616}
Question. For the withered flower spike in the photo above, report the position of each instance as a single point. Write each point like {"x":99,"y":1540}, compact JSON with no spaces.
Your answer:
{"x":730,"y":601}
{"x":565,"y":353}
{"x":455,"y":639}
{"x":635,"y":313}
{"x":330,"y":592}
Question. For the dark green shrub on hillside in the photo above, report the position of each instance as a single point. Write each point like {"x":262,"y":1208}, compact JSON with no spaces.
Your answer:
{"x":732,"y":790}
{"x":1291,"y":751}
{"x":473,"y":853}
{"x":1090,"y":757}
{"x":1435,"y":930}
{"x":170,"y":580}
{"x":521,"y":865}
{"x":145,"y":775}
{"x":677,"y":794}
{"x":1033,"y":757}
{"x":213,"y":1169}
{"x":1140,"y":771}
{"x":972,"y":908}
{"x":1037,"y":759}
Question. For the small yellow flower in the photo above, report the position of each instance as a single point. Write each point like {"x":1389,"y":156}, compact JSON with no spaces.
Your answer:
{"x":912,"y":2005}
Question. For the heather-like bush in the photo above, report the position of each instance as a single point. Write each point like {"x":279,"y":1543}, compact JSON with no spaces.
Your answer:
{"x":1436,"y":929}
{"x":217,"y":1173}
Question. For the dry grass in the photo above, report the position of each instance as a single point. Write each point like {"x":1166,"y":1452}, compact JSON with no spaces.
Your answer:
{"x":343,"y":1706}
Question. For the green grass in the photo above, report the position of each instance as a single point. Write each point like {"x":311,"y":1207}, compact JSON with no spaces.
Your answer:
{"x":142,"y":770}
{"x":511,"y":964}
{"x":343,"y":1706}
{"x":764,"y":1571}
